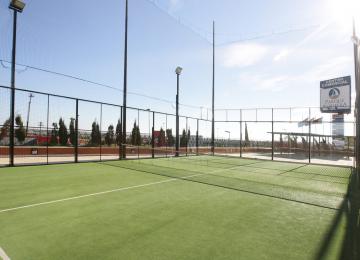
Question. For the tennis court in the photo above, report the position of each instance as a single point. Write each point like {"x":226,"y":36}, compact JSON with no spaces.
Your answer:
{"x":196,"y":207}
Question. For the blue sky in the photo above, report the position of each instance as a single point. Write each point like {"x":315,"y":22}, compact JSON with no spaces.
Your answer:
{"x":85,"y":39}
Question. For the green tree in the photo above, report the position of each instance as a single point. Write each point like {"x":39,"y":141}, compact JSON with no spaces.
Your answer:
{"x":247,"y":141}
{"x":135,"y":135}
{"x":118,"y":133}
{"x":63,"y":133}
{"x":161,"y":139}
{"x":95,"y":137}
{"x":4,"y":131}
{"x":109,"y":137}
{"x":183,"y":139}
{"x":54,"y":134}
{"x":20,"y":132}
{"x":188,"y":138}
{"x":72,"y":134}
{"x":170,"y":137}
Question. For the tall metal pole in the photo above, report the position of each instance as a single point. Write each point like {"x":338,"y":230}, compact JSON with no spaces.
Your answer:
{"x":213,"y":96}
{"x":197,"y":137}
{"x":12,"y":102}
{"x":240,"y":133}
{"x":272,"y":134}
{"x":77,"y":131}
{"x":309,"y":144}
{"x":177,"y":116}
{"x":357,"y":100}
{"x":120,"y":138}
{"x":125,"y":80}
{"x":28,"y":113}
{"x":153,"y":137}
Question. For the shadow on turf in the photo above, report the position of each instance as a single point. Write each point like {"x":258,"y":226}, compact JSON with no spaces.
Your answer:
{"x":350,"y":208}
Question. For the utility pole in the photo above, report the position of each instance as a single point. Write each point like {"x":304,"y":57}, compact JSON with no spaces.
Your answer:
{"x":40,"y":126}
{"x":28,"y":113}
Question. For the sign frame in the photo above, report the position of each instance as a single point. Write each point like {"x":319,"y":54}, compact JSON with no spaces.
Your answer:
{"x":335,"y":86}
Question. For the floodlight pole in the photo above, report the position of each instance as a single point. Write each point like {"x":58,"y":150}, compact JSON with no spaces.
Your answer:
{"x":125,"y":81}
{"x":213,"y":96}
{"x":228,"y":132}
{"x":177,"y":115}
{"x":12,"y":101}
{"x":357,"y":100}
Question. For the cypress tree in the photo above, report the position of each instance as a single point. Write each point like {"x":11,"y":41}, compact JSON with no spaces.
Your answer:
{"x":118,"y":132}
{"x":20,"y":132}
{"x":109,"y":137}
{"x":54,"y":135}
{"x":170,"y":137}
{"x":72,"y":134}
{"x":63,"y":133}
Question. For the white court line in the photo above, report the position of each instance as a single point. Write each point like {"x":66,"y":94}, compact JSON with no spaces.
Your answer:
{"x":96,"y":194}
{"x":3,"y":255}
{"x":111,"y":191}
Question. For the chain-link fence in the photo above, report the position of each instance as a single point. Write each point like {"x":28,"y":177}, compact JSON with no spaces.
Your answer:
{"x":287,"y":134}
{"x":56,"y":129}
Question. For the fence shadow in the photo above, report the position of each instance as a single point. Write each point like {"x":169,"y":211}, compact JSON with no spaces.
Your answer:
{"x":350,"y":209}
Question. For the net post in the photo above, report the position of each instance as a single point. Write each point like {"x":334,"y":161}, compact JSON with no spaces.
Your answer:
{"x":272,"y":134}
{"x":153,"y":137}
{"x":77,"y":131}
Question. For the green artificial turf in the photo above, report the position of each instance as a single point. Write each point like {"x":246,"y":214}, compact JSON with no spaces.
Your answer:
{"x":223,"y":211}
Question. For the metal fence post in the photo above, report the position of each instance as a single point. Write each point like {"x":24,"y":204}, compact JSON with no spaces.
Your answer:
{"x":166,"y":139}
{"x":47,"y":129}
{"x":120,"y":135}
{"x":77,"y":132}
{"x":197,"y":137}
{"x":100,"y":132}
{"x":272,"y":134}
{"x":138,"y":124}
{"x":153,"y":137}
{"x":187,"y":141}
{"x":240,"y":133}
{"x":309,"y":136}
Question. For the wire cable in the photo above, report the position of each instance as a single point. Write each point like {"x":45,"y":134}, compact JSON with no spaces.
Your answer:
{"x":2,"y":62}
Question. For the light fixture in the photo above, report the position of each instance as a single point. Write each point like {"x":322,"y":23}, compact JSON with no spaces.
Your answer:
{"x":178,"y":70}
{"x":17,"y":5}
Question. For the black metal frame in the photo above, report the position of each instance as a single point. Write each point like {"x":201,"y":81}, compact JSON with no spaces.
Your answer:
{"x":241,"y":122}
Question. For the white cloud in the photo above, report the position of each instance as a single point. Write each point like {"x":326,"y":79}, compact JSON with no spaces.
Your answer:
{"x":281,"y":55}
{"x":337,"y":67}
{"x":286,"y":52}
{"x":242,"y":54}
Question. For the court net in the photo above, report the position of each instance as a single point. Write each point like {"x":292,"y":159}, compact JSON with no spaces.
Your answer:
{"x":322,"y":186}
